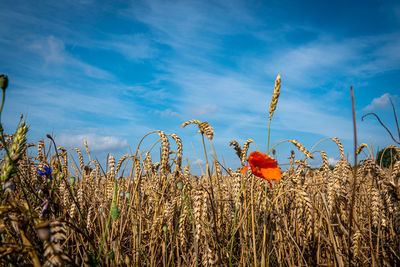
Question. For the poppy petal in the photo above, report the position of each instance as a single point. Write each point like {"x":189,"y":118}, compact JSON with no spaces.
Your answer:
{"x":271,"y":173}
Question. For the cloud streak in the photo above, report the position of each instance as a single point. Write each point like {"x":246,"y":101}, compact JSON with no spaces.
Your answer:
{"x":380,"y":102}
{"x":96,"y":143}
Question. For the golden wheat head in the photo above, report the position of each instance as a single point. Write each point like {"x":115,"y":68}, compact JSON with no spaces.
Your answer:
{"x":275,"y":96}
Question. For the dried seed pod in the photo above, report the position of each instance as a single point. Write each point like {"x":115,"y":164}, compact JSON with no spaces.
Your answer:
{"x":3,"y":81}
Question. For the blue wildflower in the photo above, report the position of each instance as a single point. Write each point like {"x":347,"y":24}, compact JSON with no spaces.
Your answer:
{"x":47,"y":173}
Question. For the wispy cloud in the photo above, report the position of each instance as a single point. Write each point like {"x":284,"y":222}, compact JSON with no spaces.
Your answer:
{"x":305,"y":64}
{"x":166,"y":113}
{"x":95,"y":142}
{"x":332,"y":161}
{"x":179,"y":24}
{"x":207,"y":109}
{"x":133,"y":47}
{"x":52,"y":51}
{"x":380,"y":102}
{"x":382,"y":51}
{"x":236,"y":98}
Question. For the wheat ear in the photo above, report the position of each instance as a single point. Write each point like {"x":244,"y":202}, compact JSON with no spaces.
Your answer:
{"x":275,"y":96}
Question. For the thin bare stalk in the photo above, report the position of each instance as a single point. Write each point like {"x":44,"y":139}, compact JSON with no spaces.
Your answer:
{"x":395,"y":117}
{"x":353,"y":194}
{"x":384,"y":126}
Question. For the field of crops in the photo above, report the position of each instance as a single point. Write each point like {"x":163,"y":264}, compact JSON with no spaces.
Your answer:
{"x":56,"y":211}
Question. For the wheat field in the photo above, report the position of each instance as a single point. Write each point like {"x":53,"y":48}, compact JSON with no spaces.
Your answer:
{"x":56,"y":211}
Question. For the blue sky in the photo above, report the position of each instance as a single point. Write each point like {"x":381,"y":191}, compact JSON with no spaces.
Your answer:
{"x":112,"y":71}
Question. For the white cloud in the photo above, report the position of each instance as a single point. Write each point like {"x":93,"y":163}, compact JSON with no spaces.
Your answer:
{"x":380,"y":102}
{"x":200,"y":161}
{"x":207,"y":109}
{"x":133,"y":47}
{"x":54,"y":54}
{"x":166,"y":113}
{"x":306,"y":63}
{"x":332,"y":161}
{"x":95,"y":142}
{"x":102,"y":101}
{"x":180,"y":23}
{"x":327,"y":59}
{"x":382,"y":51}
{"x":51,"y":49}
{"x":309,"y":115}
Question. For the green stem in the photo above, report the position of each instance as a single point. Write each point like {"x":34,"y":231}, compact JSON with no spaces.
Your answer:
{"x":269,"y":133}
{"x":109,"y":220}
{"x":104,"y":235}
{"x":165,"y":245}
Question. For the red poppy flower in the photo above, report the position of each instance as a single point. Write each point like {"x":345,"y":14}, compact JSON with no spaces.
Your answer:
{"x":263,"y":166}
